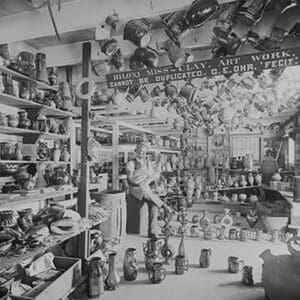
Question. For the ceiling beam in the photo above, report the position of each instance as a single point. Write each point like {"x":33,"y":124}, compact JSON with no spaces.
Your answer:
{"x":81,"y":14}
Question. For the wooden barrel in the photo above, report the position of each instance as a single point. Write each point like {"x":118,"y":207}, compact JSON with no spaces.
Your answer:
{"x":115,"y":226}
{"x":297,"y":188}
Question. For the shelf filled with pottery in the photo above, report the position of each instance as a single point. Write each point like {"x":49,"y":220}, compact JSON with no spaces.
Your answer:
{"x":26,"y":234}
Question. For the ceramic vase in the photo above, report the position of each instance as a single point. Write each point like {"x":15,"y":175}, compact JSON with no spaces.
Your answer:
{"x":130,"y":264}
{"x":258,"y":179}
{"x":138,"y":32}
{"x":243,"y":181}
{"x":55,"y":153}
{"x":24,"y":121}
{"x":226,"y":220}
{"x":205,"y":257}
{"x":204,"y":221}
{"x":95,"y":278}
{"x":113,"y":279}
{"x":250,"y":179}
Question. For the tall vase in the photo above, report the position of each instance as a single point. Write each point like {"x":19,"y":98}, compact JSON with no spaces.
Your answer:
{"x":258,"y":179}
{"x":181,"y":247}
{"x":56,"y":152}
{"x":113,"y":279}
{"x":204,"y":221}
{"x":250,"y":179}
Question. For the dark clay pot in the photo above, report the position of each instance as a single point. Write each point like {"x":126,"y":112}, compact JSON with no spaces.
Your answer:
{"x":137,"y":32}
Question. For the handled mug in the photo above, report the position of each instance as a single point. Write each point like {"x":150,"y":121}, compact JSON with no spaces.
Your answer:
{"x":234,"y":264}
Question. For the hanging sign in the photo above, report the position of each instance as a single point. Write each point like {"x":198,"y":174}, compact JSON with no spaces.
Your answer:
{"x":213,"y":67}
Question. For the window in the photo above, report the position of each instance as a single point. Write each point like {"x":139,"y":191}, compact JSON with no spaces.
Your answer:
{"x":241,"y":145}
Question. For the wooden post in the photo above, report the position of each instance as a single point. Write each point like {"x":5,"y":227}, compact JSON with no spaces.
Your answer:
{"x":115,"y":154}
{"x":297,"y":153}
{"x":84,"y":193}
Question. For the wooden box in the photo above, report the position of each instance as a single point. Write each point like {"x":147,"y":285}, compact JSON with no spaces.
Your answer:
{"x":60,"y":287}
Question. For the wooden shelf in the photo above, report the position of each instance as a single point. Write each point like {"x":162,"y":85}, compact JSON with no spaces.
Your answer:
{"x":39,"y":84}
{"x":51,"y":241}
{"x":14,"y":202}
{"x":32,"y":162}
{"x":29,"y":132}
{"x":131,"y":147}
{"x":234,"y":188}
{"x":27,"y":104}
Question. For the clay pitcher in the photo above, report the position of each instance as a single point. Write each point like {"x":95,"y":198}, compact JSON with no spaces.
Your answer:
{"x":204,"y":260}
{"x":158,"y":273}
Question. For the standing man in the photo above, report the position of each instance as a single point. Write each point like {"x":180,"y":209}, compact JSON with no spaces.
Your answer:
{"x":140,"y":173}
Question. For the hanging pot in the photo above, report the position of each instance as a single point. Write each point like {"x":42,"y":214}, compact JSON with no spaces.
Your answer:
{"x":226,"y":19}
{"x":118,"y":61}
{"x":200,"y":12}
{"x":147,"y":56}
{"x":177,"y":26}
{"x":144,"y":94}
{"x":109,"y":47}
{"x":188,"y":92}
{"x":137,"y":32}
{"x":133,"y":92}
{"x":156,"y":92}
{"x":170,"y":90}
{"x":112,"y":20}
{"x":177,"y":55}
{"x":135,"y":63}
{"x":100,"y":67}
{"x":252,"y":11}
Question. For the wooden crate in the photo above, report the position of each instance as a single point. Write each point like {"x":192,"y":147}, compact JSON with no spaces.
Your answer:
{"x":60,"y":287}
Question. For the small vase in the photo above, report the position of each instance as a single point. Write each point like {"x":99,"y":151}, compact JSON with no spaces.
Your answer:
{"x":55,"y":153}
{"x":18,"y":152}
{"x":258,"y":179}
{"x":276,"y":177}
{"x":226,"y":218}
{"x":113,"y":279}
{"x":198,"y":194}
{"x":204,"y":260}
{"x":250,"y":179}
{"x":130,"y":265}
{"x":243,"y":181}
{"x":65,"y":154}
{"x":204,"y":221}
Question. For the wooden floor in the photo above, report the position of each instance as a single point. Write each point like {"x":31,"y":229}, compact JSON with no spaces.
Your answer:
{"x":214,"y":283}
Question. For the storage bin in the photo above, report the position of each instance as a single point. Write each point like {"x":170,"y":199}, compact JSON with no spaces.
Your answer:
{"x":115,"y":225}
{"x":61,"y":286}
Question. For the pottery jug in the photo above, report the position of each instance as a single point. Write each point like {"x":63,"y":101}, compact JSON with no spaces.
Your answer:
{"x":112,"y":281}
{"x":118,"y":61}
{"x":234,"y":264}
{"x":252,"y":217}
{"x":205,"y":256}
{"x":95,"y":278}
{"x":167,"y":250}
{"x":189,"y":92}
{"x":247,"y":277}
{"x":158,"y":273}
{"x":148,"y":56}
{"x":181,"y":265}
{"x":130,"y":264}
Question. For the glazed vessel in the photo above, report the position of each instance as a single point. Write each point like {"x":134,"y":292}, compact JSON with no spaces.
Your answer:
{"x":280,"y":273}
{"x":130,"y":264}
{"x":113,"y":279}
{"x":204,"y":221}
{"x":247,"y":278}
{"x":95,"y":278}
{"x":226,"y":218}
{"x":3,"y":120}
{"x":205,"y":256}
{"x":157,"y":273}
{"x":181,"y":265}
{"x":234,"y":264}
{"x":55,"y":152}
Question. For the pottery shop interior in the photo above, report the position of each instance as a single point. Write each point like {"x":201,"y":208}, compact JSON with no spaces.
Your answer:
{"x":149,"y":149}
